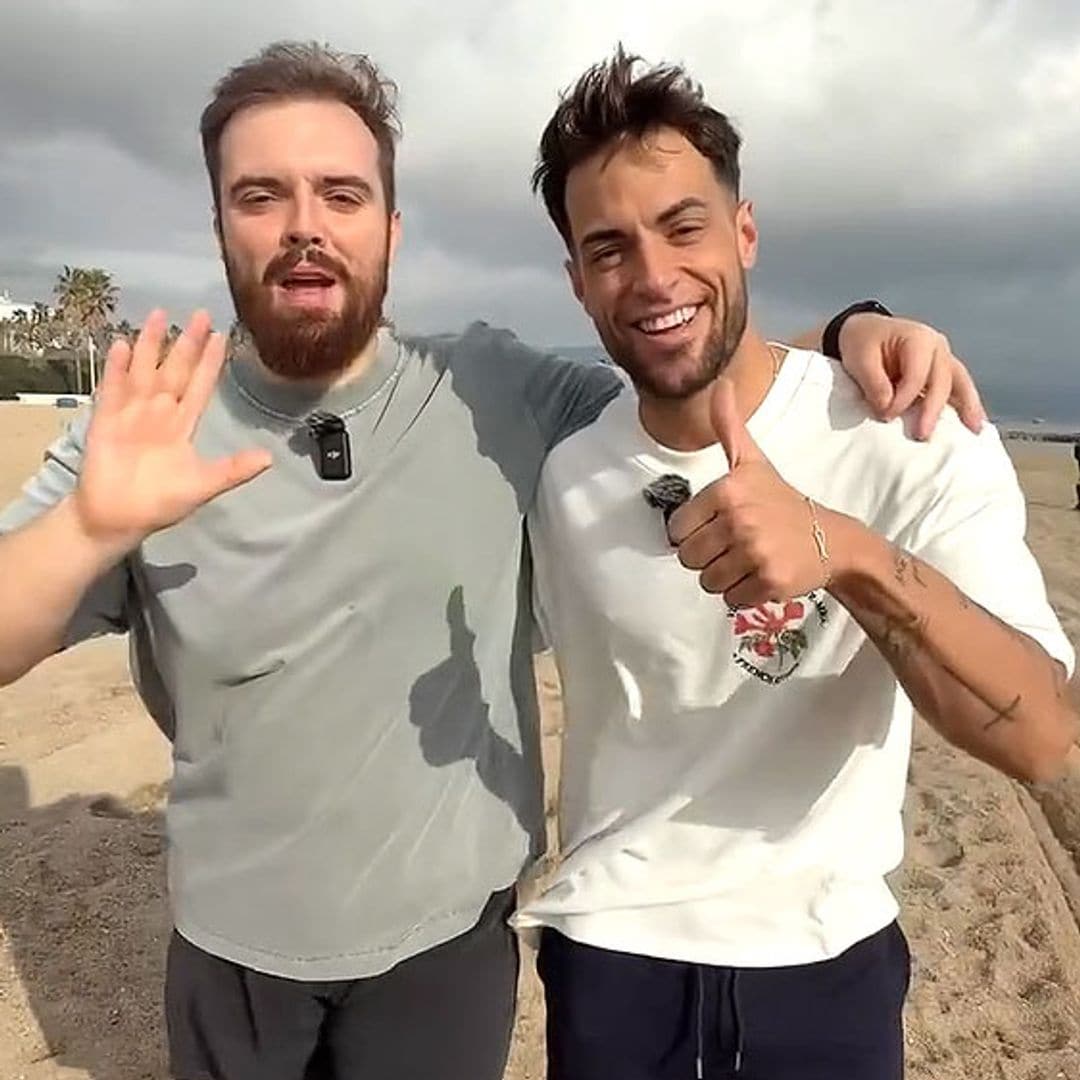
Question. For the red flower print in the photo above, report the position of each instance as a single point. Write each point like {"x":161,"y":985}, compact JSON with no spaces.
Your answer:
{"x":764,"y":630}
{"x":771,"y":638}
{"x":765,"y":619}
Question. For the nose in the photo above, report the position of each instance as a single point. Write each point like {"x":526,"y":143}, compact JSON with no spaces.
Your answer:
{"x":303,"y":227}
{"x":654,"y":270}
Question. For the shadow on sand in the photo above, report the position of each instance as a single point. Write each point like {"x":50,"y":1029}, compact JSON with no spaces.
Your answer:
{"x":84,"y":917}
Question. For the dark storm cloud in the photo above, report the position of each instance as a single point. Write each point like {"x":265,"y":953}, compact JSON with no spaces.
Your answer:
{"x":923,"y":152}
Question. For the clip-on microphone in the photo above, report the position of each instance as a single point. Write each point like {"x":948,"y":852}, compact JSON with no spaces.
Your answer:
{"x":331,"y":437}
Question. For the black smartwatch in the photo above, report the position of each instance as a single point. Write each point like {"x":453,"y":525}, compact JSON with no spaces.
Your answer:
{"x":830,"y":339}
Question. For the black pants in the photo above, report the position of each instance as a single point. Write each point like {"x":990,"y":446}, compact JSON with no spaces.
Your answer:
{"x":447,"y":1013}
{"x":616,"y":1016}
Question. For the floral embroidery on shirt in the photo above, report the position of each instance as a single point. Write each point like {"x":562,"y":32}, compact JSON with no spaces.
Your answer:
{"x":771,"y":638}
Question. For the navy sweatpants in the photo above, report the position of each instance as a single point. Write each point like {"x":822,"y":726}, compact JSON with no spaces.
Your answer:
{"x":616,"y":1015}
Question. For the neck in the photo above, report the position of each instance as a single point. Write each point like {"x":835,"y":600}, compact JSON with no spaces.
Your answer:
{"x":319,"y":384}
{"x":686,"y":423}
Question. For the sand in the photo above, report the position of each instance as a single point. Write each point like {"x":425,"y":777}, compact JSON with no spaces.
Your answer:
{"x":990,"y":888}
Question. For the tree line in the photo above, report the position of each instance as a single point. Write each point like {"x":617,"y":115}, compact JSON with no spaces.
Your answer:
{"x":60,"y":347}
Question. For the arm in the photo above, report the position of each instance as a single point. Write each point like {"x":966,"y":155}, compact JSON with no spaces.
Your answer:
{"x":54,"y":562}
{"x":810,"y":339}
{"x":91,"y":504}
{"x":895,"y":362}
{"x":988,"y":688}
{"x":982,"y":679}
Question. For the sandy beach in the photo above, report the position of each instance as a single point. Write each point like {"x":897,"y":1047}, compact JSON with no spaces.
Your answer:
{"x":990,"y":888}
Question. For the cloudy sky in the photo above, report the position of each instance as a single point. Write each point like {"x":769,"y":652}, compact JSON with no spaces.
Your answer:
{"x":924,"y":151}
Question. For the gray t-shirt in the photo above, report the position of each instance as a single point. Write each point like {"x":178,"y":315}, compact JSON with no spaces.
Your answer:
{"x":345,"y":667}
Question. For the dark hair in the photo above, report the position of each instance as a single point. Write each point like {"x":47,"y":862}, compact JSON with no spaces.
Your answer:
{"x":610,"y":104}
{"x":289,"y":70}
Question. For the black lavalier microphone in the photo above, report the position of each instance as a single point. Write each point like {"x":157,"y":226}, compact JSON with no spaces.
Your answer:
{"x":334,"y":460}
{"x":667,"y":493}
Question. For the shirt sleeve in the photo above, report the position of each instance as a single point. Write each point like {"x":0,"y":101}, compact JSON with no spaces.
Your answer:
{"x":104,"y":607}
{"x":567,"y":395}
{"x":973,"y":532}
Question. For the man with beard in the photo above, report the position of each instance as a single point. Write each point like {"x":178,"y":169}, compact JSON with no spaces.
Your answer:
{"x":339,"y":645}
{"x":738,"y":668}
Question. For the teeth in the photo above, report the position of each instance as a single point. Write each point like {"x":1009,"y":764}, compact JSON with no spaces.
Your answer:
{"x":679,"y":317}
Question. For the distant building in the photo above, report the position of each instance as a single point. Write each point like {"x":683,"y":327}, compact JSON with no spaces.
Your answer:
{"x":10,"y":308}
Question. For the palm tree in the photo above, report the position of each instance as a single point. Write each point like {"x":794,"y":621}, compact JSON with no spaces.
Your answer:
{"x":86,"y":299}
{"x":31,"y":332}
{"x":13,"y":332}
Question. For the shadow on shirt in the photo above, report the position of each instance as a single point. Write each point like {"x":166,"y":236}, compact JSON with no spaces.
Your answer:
{"x":448,"y":707}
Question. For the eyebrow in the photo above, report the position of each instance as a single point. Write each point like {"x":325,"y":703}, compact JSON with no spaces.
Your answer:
{"x":272,"y":183}
{"x":691,"y":202}
{"x":357,"y":183}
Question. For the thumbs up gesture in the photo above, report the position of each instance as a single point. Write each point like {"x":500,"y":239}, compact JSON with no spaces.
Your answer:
{"x":749,"y":534}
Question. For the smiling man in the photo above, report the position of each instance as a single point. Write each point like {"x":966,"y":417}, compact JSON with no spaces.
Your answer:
{"x":748,"y":583}
{"x":318,"y":550}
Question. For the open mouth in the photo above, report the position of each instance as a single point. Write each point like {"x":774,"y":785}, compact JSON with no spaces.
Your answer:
{"x":308,"y":287}
{"x":669,"y":322}
{"x":307,"y":279}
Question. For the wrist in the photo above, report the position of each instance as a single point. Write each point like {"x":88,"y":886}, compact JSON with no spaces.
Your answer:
{"x":99,"y":547}
{"x":830,"y":337}
{"x":852,"y":550}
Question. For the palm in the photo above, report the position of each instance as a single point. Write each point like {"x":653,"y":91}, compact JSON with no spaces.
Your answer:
{"x":141,"y":471}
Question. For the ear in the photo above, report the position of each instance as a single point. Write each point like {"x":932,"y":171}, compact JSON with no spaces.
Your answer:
{"x":576,"y":282}
{"x":394,"y":235}
{"x":218,"y":235}
{"x":746,"y":234}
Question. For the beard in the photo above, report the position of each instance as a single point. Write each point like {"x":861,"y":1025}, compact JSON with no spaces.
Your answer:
{"x":683,"y":375}
{"x":309,"y":344}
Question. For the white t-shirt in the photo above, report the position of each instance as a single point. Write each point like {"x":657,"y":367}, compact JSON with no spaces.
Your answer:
{"x":732,"y":782}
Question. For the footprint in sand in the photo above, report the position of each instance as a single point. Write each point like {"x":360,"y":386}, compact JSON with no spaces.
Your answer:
{"x":942,"y":853}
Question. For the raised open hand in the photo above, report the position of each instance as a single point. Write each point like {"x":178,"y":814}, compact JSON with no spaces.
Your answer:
{"x":140,"y":470}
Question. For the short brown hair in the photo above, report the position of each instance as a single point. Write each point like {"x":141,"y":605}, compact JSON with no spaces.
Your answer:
{"x":610,"y":103}
{"x":305,"y":70}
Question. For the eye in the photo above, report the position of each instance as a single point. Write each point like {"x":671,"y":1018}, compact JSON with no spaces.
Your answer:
{"x":344,"y":199}
{"x":256,"y":199}
{"x":607,"y":256}
{"x":688,"y":231}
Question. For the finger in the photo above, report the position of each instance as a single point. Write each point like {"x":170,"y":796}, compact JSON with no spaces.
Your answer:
{"x":867,"y":368}
{"x":915,"y":357}
{"x":965,"y":397}
{"x":725,"y":573}
{"x":935,"y":396}
{"x":747,"y":593}
{"x":179,"y":363}
{"x":231,"y":472}
{"x":110,"y":389}
{"x":142,"y":370}
{"x":704,"y":545}
{"x":729,"y":426}
{"x":695,"y":513}
{"x":203,"y":379}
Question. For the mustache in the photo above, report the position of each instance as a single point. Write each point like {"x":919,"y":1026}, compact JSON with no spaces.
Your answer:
{"x":282,"y":265}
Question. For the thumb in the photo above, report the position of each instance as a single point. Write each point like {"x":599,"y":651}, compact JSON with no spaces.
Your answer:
{"x":228,"y":473}
{"x":876,"y":387}
{"x":729,"y":426}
